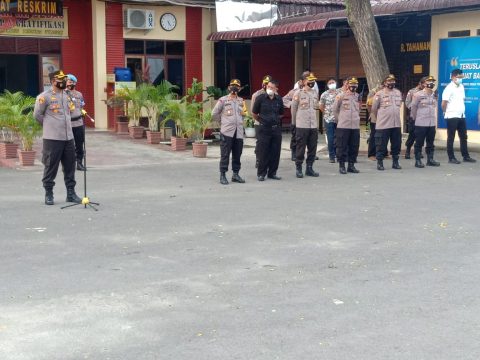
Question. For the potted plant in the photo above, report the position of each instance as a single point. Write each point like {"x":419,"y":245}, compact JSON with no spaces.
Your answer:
{"x":177,"y":112}
{"x":135,"y":101}
{"x":118,"y":102}
{"x":8,"y":147}
{"x":156,"y":106}
{"x":249,"y":126}
{"x":28,"y":129}
{"x":203,"y":122}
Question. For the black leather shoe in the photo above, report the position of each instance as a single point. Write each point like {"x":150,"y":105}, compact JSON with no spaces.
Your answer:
{"x":341,"y":168}
{"x":332,"y":161}
{"x":407,"y":153}
{"x":317,"y":158}
{"x":274,"y":177}
{"x":469,"y":159}
{"x":72,"y":197}
{"x":299,"y":171}
{"x":453,"y":161}
{"x":80,"y":166}
{"x":352,"y":169}
{"x":237,"y":178}
{"x":49,"y":198}
{"x":419,"y":164}
{"x":431,"y":162}
{"x":261,"y":178}
{"x":311,"y":172}
{"x":380,"y":165}
{"x":395,"y":164}
{"x":223,"y":179}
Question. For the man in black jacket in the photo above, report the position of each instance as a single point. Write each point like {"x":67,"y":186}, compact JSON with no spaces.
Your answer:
{"x":268,"y":111}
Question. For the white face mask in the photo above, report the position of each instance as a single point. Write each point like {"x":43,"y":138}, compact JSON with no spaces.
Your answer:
{"x":270,"y":92}
{"x":332,"y":86}
{"x":458,"y":81}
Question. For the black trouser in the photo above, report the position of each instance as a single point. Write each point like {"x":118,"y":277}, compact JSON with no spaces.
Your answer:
{"x":460,"y":125}
{"x":382,"y":136}
{"x":269,"y":147}
{"x":54,"y":152}
{"x":256,"y":142}
{"x":293,"y":139}
{"x":423,"y":133}
{"x":411,"y":133}
{"x":348,"y":142}
{"x":79,"y":137}
{"x":372,"y":150}
{"x":306,"y":138}
{"x":230,"y":145}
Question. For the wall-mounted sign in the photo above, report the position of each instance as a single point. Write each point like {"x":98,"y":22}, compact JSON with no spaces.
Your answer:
{"x":49,"y":65}
{"x":31,"y":7}
{"x":415,"y":47}
{"x":464,"y":54}
{"x":418,"y":69}
{"x":37,"y":27}
{"x":122,"y":85}
{"x":110,"y":78}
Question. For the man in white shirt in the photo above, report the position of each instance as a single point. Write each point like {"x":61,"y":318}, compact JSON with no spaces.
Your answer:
{"x":453,"y":107}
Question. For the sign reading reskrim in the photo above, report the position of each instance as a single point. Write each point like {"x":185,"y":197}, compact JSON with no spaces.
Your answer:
{"x":464,"y":54}
{"x":30,"y":8}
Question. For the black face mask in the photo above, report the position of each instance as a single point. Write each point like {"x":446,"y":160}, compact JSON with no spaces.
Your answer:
{"x":353,"y":88}
{"x":234,"y":89}
{"x":311,"y":85}
{"x":430,"y":85}
{"x":61,"y":85}
{"x":391,"y":85}
{"x":71,"y":87}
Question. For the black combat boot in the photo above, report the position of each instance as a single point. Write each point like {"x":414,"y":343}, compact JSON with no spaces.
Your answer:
{"x":294,"y":154}
{"x":351,"y":168}
{"x":418,"y":162}
{"x":49,"y":197}
{"x":341,"y":168}
{"x":431,"y":162}
{"x":237,"y":178}
{"x":395,"y":164}
{"x":311,"y":172}
{"x":80,"y":166}
{"x":72,"y":197}
{"x":380,"y":165}
{"x":223,"y":179}
{"x":407,"y":152}
{"x":299,"y":172}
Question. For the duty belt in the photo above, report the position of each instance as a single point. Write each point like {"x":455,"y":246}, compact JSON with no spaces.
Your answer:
{"x":76,"y":118}
{"x":270,"y":126}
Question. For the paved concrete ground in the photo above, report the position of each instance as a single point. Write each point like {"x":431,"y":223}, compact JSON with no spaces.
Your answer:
{"x":175,"y":266}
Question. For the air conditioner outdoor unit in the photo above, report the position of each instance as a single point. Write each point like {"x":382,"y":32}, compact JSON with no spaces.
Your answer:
{"x":139,"y":19}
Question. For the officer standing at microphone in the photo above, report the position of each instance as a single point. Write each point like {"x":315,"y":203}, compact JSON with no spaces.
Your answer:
{"x":78,"y":126}
{"x":230,"y":110}
{"x":52,"y":110}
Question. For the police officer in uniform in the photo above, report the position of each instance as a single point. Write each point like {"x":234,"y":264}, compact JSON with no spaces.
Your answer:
{"x":304,"y":118}
{"x":373,"y":122}
{"x":230,"y":110}
{"x":287,"y":103}
{"x":78,"y":126}
{"x":423,"y":111}
{"x":268,"y":110}
{"x":347,"y":112}
{"x":263,"y":89}
{"x":52,"y":110}
{"x":411,"y":121}
{"x":386,"y":108}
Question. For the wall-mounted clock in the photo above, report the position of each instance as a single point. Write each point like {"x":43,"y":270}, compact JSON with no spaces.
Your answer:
{"x":168,"y":21}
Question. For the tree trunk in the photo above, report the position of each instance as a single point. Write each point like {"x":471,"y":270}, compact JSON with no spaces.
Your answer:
{"x":362,"y":22}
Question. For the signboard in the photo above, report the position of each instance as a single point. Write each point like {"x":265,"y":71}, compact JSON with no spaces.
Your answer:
{"x":49,"y":65}
{"x":236,"y":15}
{"x":464,"y":54}
{"x":37,"y":27}
{"x":31,"y":7}
{"x":121,"y":85}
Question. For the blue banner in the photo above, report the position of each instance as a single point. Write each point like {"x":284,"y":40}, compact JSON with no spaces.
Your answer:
{"x":464,"y":54}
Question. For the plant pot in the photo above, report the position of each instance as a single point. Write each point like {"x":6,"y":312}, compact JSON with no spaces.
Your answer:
{"x":122,"y":127}
{"x":123,"y":118}
{"x":154,"y":137}
{"x":250,"y":132}
{"x":166,"y":133}
{"x":27,"y":158}
{"x":200,"y":149}
{"x":8,"y":150}
{"x":136,"y":132}
{"x":179,"y":144}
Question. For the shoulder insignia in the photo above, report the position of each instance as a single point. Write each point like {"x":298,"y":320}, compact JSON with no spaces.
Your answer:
{"x":41,"y":99}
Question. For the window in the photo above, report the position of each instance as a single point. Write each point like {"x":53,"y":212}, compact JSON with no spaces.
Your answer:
{"x":232,"y":61}
{"x":459,"y":33}
{"x":154,"y":61}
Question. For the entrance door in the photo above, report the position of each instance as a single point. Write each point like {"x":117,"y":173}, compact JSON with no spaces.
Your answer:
{"x":19,"y":73}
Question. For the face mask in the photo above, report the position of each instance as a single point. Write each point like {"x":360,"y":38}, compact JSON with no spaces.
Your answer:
{"x":234,"y":89}
{"x":61,"y":85}
{"x":332,"y":86}
{"x":391,"y":85}
{"x":311,"y":85}
{"x":430,"y":85}
{"x":71,"y":87}
{"x":458,"y":81}
{"x":270,"y":92}
{"x":353,"y":88}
